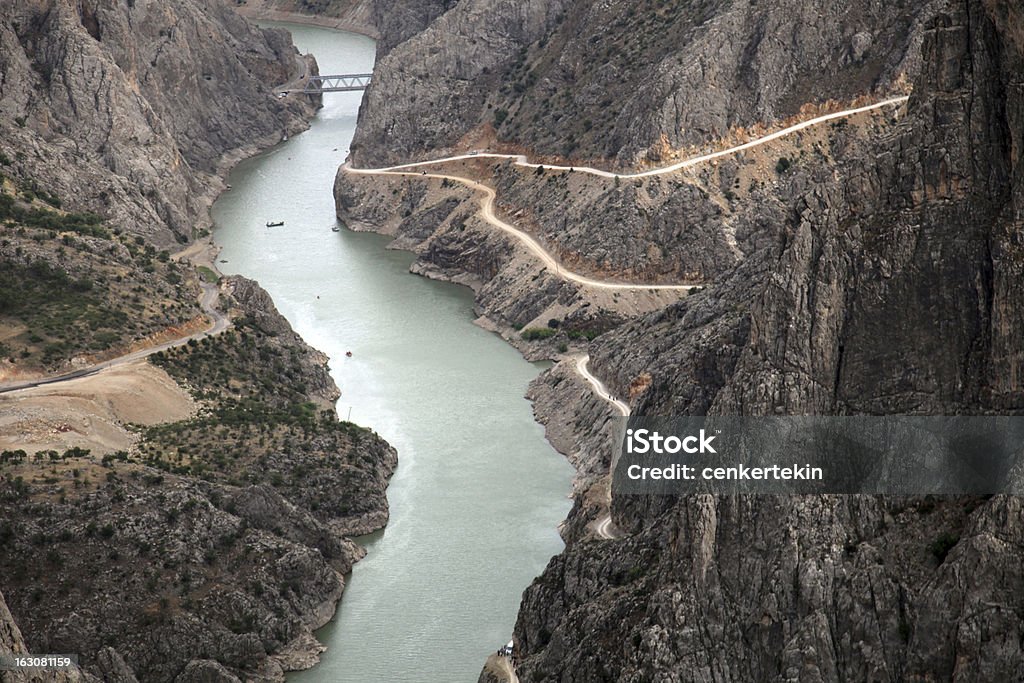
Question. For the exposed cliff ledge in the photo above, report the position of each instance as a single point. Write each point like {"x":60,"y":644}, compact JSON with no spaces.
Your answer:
{"x":142,"y":101}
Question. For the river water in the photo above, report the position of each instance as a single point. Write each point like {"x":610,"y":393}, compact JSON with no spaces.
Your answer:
{"x":479,"y":493}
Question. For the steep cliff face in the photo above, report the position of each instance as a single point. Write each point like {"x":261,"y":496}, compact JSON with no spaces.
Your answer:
{"x":920,"y":225}
{"x":893,"y":290}
{"x":127,"y":109}
{"x":879,"y":272}
{"x":622,"y":80}
{"x":399,"y":20}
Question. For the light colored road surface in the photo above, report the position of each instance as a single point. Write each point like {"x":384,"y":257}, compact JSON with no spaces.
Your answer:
{"x":523,"y":161}
{"x":207,"y":302}
{"x":508,"y":670}
{"x":603,"y":527}
{"x":487,"y":203}
{"x":487,"y":212}
{"x":599,"y":388}
{"x":298,"y":79}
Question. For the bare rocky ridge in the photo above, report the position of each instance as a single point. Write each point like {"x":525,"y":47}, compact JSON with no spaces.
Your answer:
{"x":625,"y":81}
{"x":876,"y":271}
{"x":143,"y":100}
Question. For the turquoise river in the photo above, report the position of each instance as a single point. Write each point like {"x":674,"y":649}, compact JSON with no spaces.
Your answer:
{"x":479,"y":493}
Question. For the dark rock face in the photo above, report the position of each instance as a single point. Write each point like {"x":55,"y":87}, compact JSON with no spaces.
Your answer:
{"x":892,"y":291}
{"x":622,"y":80}
{"x":398,"y":20}
{"x":11,"y":643}
{"x":619,"y":230}
{"x":206,"y":671}
{"x":167,"y":576}
{"x":128,"y":108}
{"x":884,"y":277}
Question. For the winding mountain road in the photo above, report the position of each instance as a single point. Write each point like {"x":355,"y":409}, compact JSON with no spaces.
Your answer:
{"x":603,"y":527}
{"x":508,"y":670}
{"x":599,"y":388}
{"x":521,"y":160}
{"x":220,"y":322}
{"x":531,"y":243}
{"x":487,"y":212}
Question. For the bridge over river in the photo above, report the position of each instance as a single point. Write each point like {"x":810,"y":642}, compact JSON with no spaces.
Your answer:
{"x":316,"y":85}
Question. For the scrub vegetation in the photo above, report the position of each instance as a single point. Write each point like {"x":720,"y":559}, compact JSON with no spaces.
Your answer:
{"x":70,"y":286}
{"x":257,"y":424}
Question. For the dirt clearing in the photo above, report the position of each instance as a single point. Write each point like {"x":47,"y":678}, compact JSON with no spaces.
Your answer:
{"x":91,"y":412}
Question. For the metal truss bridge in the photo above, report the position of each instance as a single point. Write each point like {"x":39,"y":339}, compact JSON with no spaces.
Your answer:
{"x":336,"y":83}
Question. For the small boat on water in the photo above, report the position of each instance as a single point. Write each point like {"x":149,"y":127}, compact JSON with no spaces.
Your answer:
{"x":335,"y":229}
{"x":274,"y":224}
{"x":348,"y":354}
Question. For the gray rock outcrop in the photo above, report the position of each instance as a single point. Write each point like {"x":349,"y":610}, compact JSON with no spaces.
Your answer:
{"x":206,"y":671}
{"x":890,"y":292}
{"x":879,"y":272}
{"x":620,"y":81}
{"x":143,"y":101}
{"x":12,"y":643}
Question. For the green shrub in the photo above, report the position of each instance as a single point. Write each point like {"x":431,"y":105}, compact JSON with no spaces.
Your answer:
{"x":207,"y":274}
{"x":83,"y":223}
{"x":589,"y":335}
